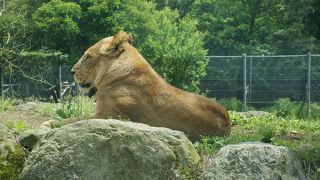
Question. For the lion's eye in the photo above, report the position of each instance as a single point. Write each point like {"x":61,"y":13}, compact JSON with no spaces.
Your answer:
{"x":85,"y":58}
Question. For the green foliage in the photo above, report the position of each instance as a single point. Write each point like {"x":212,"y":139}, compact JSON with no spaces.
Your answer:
{"x":17,"y":127}
{"x":232,"y":104}
{"x":58,"y":21}
{"x":230,"y":25}
{"x":173,"y":46}
{"x":6,"y":104}
{"x":286,"y":108}
{"x":78,"y":106}
{"x":210,"y":144}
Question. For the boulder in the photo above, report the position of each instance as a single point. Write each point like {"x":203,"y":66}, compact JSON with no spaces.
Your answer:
{"x":29,"y":138}
{"x":26,"y":106}
{"x":12,"y":155}
{"x":254,"y":161}
{"x":112,"y":149}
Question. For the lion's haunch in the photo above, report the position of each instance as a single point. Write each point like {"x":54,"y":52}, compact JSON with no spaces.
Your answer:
{"x":129,"y":88}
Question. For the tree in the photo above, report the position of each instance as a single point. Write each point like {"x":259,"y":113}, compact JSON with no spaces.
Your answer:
{"x":275,"y":27}
{"x":173,"y":46}
{"x":182,"y":6}
{"x":58,"y":23}
{"x":14,"y":33}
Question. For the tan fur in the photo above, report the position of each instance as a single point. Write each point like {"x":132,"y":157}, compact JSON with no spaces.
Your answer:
{"x":127,"y":86}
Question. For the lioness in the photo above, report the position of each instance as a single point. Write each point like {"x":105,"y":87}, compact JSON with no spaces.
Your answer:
{"x":127,"y":86}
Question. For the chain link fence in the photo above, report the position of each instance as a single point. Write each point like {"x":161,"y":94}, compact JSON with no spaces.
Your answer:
{"x":40,"y":75}
{"x":259,"y":80}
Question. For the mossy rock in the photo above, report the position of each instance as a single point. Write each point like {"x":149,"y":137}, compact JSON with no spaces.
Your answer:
{"x":112,"y":149}
{"x":12,"y":155}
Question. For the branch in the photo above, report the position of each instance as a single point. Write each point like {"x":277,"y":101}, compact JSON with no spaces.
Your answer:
{"x":41,"y":80}
{"x":3,"y":9}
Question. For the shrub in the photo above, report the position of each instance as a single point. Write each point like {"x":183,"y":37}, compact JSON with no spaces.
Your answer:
{"x":232,"y":104}
{"x":283,"y":107}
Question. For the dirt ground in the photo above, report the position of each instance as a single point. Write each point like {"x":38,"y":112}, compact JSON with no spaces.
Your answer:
{"x":28,"y":114}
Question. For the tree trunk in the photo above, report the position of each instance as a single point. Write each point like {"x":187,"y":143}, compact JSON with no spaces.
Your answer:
{"x":254,"y":11}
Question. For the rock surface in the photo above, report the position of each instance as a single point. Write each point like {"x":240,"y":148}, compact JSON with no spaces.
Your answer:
{"x":254,"y":161}
{"x":12,"y":156}
{"x":26,"y":106}
{"x":111,"y":149}
{"x":30,"y":137}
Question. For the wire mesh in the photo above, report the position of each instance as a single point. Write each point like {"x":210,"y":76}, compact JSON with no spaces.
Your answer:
{"x":266,"y":78}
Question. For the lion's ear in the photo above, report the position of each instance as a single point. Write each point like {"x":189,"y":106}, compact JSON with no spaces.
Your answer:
{"x":118,"y":40}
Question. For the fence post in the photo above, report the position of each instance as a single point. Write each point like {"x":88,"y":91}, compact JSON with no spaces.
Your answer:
{"x":1,"y":83}
{"x":309,"y":84}
{"x":245,"y":81}
{"x":250,"y":75}
{"x":60,"y":83}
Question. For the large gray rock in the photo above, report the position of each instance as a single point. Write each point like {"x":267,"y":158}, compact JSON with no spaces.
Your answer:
{"x":111,"y":149}
{"x":12,"y":155}
{"x":254,"y":161}
{"x":29,"y":138}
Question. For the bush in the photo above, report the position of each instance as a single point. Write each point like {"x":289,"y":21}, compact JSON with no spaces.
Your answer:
{"x":283,"y":107}
{"x":232,"y":104}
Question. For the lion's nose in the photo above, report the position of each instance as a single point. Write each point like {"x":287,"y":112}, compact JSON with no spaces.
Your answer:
{"x":73,"y":72}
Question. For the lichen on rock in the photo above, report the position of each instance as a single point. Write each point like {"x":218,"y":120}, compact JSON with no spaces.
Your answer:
{"x":12,"y":155}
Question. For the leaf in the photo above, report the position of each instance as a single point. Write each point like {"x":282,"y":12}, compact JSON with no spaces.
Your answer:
{"x":61,"y":113}
{"x":56,"y":118}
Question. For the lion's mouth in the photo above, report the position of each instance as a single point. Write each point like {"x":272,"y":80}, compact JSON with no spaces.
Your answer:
{"x":85,"y":85}
{"x":92,"y":92}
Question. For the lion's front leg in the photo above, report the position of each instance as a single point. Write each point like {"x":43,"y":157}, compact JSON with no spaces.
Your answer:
{"x":105,"y":108}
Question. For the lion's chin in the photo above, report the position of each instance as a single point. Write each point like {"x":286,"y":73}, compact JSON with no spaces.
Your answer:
{"x":89,"y":91}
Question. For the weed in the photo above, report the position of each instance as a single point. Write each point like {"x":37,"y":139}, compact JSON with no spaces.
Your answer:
{"x":17,"y":127}
{"x":211,"y":144}
{"x":78,"y":106}
{"x":7,"y":103}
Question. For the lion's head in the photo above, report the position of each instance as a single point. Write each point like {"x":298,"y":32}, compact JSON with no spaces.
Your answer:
{"x":90,"y":69}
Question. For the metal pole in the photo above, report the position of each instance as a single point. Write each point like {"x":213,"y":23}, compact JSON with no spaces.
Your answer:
{"x":1,"y":79}
{"x":250,"y":73}
{"x":245,"y":81}
{"x":60,"y":82}
{"x":309,"y":84}
{"x":1,"y":84}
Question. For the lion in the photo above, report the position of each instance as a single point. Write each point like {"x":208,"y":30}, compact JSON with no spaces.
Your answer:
{"x":126,"y":86}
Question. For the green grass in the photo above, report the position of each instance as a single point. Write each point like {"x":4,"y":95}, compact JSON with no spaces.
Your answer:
{"x":7,"y":103}
{"x":79,"y":106}
{"x":274,"y":130}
